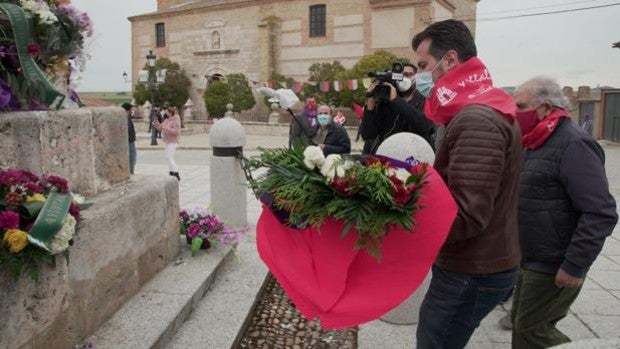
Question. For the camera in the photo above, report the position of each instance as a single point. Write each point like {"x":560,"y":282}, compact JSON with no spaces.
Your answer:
{"x":381,"y":93}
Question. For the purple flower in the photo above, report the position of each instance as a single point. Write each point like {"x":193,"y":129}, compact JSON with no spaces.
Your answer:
{"x":193,"y":230}
{"x":74,"y":210}
{"x":11,"y":177}
{"x":7,"y":99}
{"x":59,"y":183}
{"x":33,"y":187}
{"x":9,"y":220}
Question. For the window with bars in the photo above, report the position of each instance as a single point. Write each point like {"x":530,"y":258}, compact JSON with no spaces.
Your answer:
{"x":317,"y":20}
{"x":160,"y":34}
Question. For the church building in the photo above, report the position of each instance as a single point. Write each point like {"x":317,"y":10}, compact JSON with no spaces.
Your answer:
{"x":260,"y":37}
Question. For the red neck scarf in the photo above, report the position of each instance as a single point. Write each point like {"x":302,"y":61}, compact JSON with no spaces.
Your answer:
{"x":545,"y":128}
{"x":469,"y":83}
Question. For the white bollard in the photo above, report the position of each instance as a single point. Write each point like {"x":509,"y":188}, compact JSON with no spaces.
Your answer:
{"x":400,"y":146}
{"x":228,"y":184}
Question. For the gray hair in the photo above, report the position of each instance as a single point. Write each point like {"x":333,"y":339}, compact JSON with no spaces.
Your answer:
{"x":542,"y":89}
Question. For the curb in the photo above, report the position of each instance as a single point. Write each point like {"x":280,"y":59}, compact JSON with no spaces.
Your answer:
{"x":159,"y":309}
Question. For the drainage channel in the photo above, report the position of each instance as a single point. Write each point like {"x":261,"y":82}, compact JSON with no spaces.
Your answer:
{"x":275,"y":323}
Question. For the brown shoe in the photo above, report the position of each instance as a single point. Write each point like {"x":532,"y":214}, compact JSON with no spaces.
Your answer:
{"x":506,"y":322}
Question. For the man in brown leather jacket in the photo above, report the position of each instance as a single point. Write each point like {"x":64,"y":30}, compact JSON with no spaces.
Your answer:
{"x":480,"y":161}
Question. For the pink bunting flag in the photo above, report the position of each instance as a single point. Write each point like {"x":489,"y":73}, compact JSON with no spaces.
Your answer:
{"x":352,"y":84}
{"x":324,"y":86}
{"x":296,"y":87}
{"x":337,"y":86}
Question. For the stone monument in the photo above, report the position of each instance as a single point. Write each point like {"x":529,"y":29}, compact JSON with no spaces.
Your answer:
{"x":130,"y":232}
{"x":146,"y":110}
{"x":188,"y":113}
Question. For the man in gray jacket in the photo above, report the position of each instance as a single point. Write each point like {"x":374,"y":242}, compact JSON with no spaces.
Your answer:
{"x":565,"y":213}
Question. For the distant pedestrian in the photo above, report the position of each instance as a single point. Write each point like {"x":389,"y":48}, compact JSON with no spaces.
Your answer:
{"x":133,"y":155}
{"x":330,"y":136}
{"x":310,"y":111}
{"x":565,"y":213}
{"x":171,"y":129}
{"x":586,"y":124}
{"x":155,"y":115}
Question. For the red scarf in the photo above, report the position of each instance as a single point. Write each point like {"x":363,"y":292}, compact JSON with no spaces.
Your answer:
{"x":545,"y":128}
{"x":469,"y":83}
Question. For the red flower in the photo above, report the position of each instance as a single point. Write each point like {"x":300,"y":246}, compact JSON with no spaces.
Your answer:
{"x":74,"y":210}
{"x":34,"y":49}
{"x":342,"y":185}
{"x":13,"y":199}
{"x":33,"y":187}
{"x":9,"y":220}
{"x":401,"y":195}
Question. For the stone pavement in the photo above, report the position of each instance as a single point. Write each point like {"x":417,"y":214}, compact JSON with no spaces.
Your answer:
{"x":595,"y":314}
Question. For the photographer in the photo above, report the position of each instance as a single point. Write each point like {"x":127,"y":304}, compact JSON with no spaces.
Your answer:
{"x":386,"y":113}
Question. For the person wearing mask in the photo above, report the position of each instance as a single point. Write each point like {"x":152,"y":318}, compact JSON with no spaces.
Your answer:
{"x":133,"y":154}
{"x":480,"y":161}
{"x":408,"y":92}
{"x":331,"y":137}
{"x":310,"y":111}
{"x":563,"y":223}
{"x":171,"y":129}
{"x":383,"y":118}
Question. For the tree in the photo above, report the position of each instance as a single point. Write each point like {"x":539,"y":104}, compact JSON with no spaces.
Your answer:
{"x":175,"y":89}
{"x":240,"y":92}
{"x":324,"y":71}
{"x":216,"y":96}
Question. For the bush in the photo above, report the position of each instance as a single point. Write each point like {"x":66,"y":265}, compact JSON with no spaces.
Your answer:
{"x":240,"y":92}
{"x":216,"y":96}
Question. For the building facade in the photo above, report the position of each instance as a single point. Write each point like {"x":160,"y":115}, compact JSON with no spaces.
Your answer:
{"x":261,"y":37}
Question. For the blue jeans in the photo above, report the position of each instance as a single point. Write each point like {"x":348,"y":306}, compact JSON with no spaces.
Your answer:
{"x":133,"y":157}
{"x":456,"y":303}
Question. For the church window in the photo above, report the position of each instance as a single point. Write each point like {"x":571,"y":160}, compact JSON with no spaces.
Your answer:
{"x":160,"y":34}
{"x":317,"y":20}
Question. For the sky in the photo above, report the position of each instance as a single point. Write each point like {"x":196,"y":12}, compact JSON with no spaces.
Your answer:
{"x":573,"y":47}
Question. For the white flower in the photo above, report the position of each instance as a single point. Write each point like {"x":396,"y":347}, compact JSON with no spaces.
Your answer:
{"x":60,"y":241}
{"x":41,"y":9}
{"x":348,"y":164}
{"x":313,"y":157}
{"x":79,"y":199}
{"x":333,"y":167}
{"x":402,"y":174}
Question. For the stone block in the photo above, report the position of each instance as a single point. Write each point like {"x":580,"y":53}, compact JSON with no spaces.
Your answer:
{"x":87,"y":146}
{"x":110,"y":147}
{"x":129,"y":234}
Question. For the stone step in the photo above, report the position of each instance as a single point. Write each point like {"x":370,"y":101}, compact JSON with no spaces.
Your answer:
{"x":221,"y":314}
{"x":159,"y":309}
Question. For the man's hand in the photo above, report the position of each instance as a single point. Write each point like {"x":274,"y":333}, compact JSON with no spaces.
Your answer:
{"x":565,"y":280}
{"x":370,"y":101}
{"x":393,"y":92}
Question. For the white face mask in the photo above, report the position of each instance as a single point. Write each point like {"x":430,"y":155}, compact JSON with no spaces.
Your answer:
{"x":405,"y":84}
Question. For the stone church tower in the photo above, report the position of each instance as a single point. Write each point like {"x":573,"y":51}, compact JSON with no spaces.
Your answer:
{"x":260,"y":37}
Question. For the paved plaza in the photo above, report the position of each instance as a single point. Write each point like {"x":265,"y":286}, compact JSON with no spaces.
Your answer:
{"x":595,"y":314}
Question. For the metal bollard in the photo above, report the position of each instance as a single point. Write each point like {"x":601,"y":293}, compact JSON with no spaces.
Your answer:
{"x":228,"y":184}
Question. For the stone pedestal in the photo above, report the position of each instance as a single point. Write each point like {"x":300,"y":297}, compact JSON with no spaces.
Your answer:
{"x":274,"y":116}
{"x":228,"y":184}
{"x":129,"y":233}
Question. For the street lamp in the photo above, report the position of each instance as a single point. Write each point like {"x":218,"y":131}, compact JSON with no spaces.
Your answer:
{"x":152,"y":84}
{"x":616,"y":45}
{"x":125,"y":76}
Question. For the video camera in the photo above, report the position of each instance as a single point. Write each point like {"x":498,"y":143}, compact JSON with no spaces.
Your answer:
{"x":381,"y":93}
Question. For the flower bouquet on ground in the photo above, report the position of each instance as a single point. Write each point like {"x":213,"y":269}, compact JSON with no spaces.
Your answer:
{"x":349,"y":237}
{"x":38,"y":218}
{"x":202,"y":228}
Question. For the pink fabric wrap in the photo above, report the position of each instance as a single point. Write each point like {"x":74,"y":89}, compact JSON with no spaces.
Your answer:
{"x":326,"y":278}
